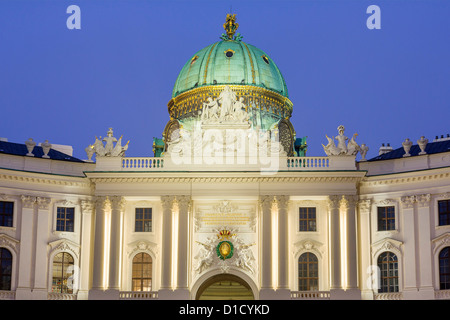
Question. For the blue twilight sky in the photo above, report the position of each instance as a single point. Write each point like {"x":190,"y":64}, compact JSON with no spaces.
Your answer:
{"x":69,"y":86}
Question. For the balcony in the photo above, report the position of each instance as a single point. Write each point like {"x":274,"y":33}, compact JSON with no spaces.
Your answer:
{"x":138,"y":295}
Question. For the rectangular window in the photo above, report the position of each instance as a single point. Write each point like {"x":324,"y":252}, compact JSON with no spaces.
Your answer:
{"x":65,"y":219}
{"x":6,"y":213}
{"x":444,"y":212}
{"x":143,"y":221}
{"x":386,"y":218}
{"x":307,"y":219}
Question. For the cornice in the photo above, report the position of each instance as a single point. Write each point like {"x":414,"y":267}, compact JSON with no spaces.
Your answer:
{"x":225,"y":179}
{"x":42,"y":178}
{"x":402,"y":178}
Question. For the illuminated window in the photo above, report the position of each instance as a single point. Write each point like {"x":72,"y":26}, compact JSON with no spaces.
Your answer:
{"x":142,"y":272}
{"x":388,"y":264}
{"x":65,"y":219}
{"x":61,"y":273}
{"x":444,"y":212}
{"x":444,"y":269}
{"x":308,"y":272}
{"x":5,"y":269}
{"x":6,"y":213}
{"x":386,"y":218}
{"x":229,"y":53}
{"x":307,"y":219}
{"x":143,"y":220}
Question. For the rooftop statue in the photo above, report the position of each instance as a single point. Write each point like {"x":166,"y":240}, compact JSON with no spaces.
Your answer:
{"x":109,"y":149}
{"x":342,"y":149}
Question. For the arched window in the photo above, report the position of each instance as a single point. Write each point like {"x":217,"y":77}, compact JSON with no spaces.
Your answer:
{"x":444,"y":269}
{"x":388,"y":264}
{"x":142,"y":272}
{"x":61,"y":272}
{"x":5,"y":269}
{"x":308,"y":272}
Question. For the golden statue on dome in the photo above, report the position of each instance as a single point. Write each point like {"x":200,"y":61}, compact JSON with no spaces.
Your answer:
{"x":230,"y":25}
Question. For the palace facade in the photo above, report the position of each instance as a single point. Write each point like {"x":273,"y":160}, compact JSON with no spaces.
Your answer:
{"x":229,"y":206}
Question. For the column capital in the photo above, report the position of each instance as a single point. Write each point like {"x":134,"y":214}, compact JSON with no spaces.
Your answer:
{"x":350,"y":201}
{"x":282,"y":202}
{"x":266,"y":202}
{"x":184,"y":203}
{"x":87,"y":206}
{"x":364,"y":205}
{"x":408,"y":201}
{"x":167,"y":202}
{"x":334,"y":202}
{"x":43,"y":203}
{"x":423,"y":200}
{"x":101,"y":202}
{"x":117,"y":202}
{"x":28,"y":201}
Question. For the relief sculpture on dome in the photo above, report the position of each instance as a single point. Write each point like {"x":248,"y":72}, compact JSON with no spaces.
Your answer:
{"x":230,"y":110}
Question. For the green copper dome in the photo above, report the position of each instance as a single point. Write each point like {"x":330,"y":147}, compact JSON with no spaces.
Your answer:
{"x":230,"y":62}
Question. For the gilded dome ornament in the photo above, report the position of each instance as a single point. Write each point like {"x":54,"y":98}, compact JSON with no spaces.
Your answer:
{"x":230,"y":27}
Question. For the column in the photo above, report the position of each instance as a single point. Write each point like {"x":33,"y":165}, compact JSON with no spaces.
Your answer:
{"x":266,"y":203}
{"x":409,"y":238}
{"x":41,"y":257}
{"x":182,"y":291}
{"x":426,"y":289}
{"x":23,"y":291}
{"x":365,"y":269}
{"x":283,"y":259}
{"x":87,"y":209}
{"x":335,"y":243}
{"x":166,"y":248}
{"x":99,"y":246}
{"x":352,"y":290}
{"x":117,"y":205}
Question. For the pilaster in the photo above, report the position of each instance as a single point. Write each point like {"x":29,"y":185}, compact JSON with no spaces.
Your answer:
{"x":409,"y":238}
{"x":99,"y":245}
{"x":117,"y":206}
{"x":23,"y":291}
{"x":166,"y":248}
{"x":184,"y":204}
{"x":335,"y":244}
{"x":41,"y":258}
{"x":283,"y":291}
{"x":365,"y":270}
{"x":87,"y":210}
{"x":267,"y":290}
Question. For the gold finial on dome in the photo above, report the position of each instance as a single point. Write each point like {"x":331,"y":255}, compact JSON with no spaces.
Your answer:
{"x":230,"y":25}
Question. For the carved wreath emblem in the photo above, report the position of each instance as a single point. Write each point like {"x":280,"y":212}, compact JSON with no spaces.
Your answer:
{"x":225,"y":250}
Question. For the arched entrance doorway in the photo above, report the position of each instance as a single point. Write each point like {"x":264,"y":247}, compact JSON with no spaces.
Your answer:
{"x":224,"y":287}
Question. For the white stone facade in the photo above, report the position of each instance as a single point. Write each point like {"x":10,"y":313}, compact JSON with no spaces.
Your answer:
{"x":191,"y":204}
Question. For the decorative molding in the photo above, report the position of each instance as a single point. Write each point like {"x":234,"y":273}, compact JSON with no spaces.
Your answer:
{"x":9,"y":242}
{"x":385,"y":202}
{"x":64,"y":245}
{"x":227,"y":179}
{"x":142,"y":246}
{"x":367,"y":182}
{"x":308,"y":245}
{"x":30,"y":179}
{"x":387,"y":244}
{"x":440,"y":242}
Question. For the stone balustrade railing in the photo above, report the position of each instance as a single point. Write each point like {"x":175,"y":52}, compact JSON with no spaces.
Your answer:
{"x":281,"y":164}
{"x":310,"y":295}
{"x":138,"y":295}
